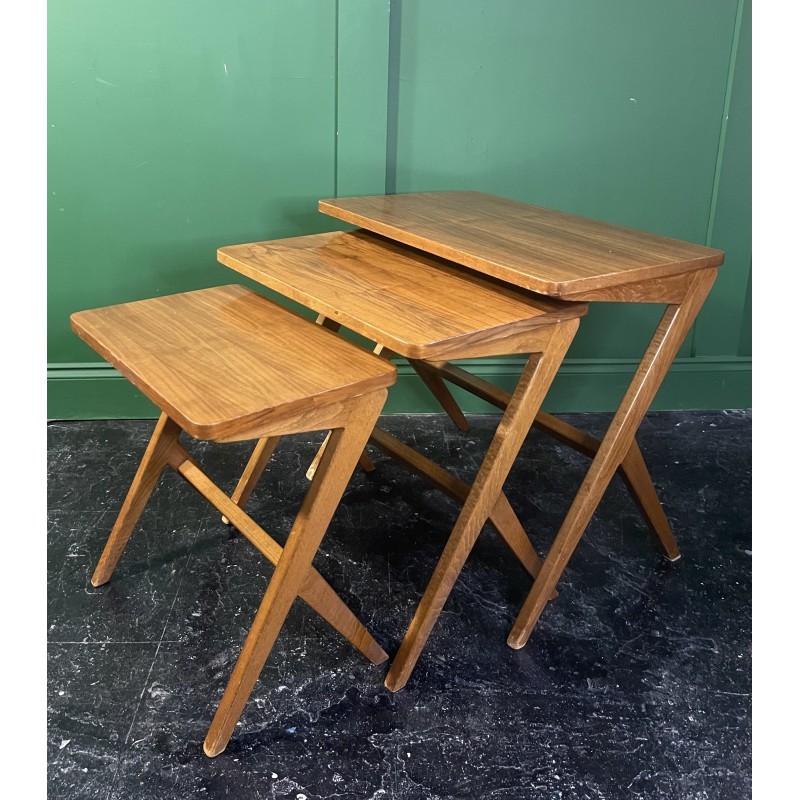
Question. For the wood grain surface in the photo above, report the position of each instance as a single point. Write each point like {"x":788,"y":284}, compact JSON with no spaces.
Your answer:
{"x":546,"y":251}
{"x":417,"y":305}
{"x":218,"y":360}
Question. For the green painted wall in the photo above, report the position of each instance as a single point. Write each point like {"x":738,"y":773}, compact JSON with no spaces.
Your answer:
{"x":176,"y":128}
{"x":725,"y":325}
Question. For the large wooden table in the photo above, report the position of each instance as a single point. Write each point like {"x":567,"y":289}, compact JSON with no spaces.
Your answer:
{"x":524,"y":276}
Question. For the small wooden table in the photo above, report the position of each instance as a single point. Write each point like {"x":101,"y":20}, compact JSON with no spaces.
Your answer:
{"x":575,"y":259}
{"x":427,"y":310}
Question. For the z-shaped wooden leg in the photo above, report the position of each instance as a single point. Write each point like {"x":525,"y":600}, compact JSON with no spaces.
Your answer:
{"x":669,"y":335}
{"x":294,"y":564}
{"x":483,"y":496}
{"x":164,"y":449}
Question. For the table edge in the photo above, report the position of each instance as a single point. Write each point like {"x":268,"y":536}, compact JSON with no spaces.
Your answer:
{"x":556,"y":289}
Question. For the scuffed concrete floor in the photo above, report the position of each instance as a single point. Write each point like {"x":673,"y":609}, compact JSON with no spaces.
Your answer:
{"x":635,"y":684}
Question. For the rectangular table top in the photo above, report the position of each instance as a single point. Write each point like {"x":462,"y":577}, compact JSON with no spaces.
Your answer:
{"x":418,"y":305}
{"x":545,"y":251}
{"x":228,"y":358}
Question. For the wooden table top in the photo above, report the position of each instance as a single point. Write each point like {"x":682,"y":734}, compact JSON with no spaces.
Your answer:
{"x":220,"y":359}
{"x":418,"y":305}
{"x":545,"y":251}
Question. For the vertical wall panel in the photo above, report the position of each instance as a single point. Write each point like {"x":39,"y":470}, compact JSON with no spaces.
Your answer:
{"x":175,"y":128}
{"x":612,"y":110}
{"x":718,"y":328}
{"x":746,"y":338}
{"x":362,"y":85}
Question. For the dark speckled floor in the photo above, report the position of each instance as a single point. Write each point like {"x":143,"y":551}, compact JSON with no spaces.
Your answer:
{"x":635,"y":684}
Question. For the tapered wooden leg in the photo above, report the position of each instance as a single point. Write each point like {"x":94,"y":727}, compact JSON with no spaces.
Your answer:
{"x":511,"y":432}
{"x":312,"y":469}
{"x":669,"y":335}
{"x":153,"y":462}
{"x":508,"y":526}
{"x":255,"y":467}
{"x":634,"y":472}
{"x":439,"y":390}
{"x":259,"y":459}
{"x":319,"y":505}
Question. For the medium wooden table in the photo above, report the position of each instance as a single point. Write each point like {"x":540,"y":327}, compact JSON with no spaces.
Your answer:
{"x":572,"y":258}
{"x":427,"y":310}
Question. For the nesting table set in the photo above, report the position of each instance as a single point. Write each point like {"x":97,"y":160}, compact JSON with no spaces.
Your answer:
{"x":432,"y":278}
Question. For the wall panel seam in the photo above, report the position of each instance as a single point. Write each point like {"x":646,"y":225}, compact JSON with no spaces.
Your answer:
{"x":723,"y":129}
